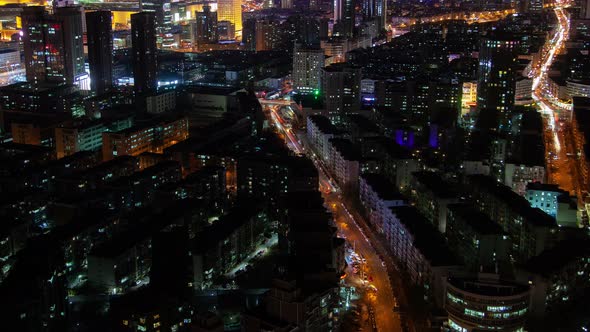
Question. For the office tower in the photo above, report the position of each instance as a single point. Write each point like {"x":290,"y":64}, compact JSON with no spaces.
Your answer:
{"x":344,"y":17}
{"x":100,"y":50}
{"x":143,"y":39}
{"x":375,"y":9}
{"x":496,"y":77}
{"x":39,"y":67}
{"x":231,"y":10}
{"x":71,"y":20}
{"x":341,"y":84}
{"x":206,"y":26}
{"x":161,"y":10}
{"x":53,"y":46}
{"x":307,"y":69}
{"x":267,"y":35}
{"x":226,"y":30}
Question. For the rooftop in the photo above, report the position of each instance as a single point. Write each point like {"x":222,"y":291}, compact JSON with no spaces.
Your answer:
{"x":426,"y":238}
{"x":143,"y":224}
{"x":382,"y":186}
{"x":211,"y":90}
{"x":324,"y":124}
{"x":154,"y":122}
{"x":475,"y":219}
{"x":435,"y":183}
{"x":562,"y":254}
{"x":39,"y":88}
{"x":239,"y":215}
{"x":363,"y":123}
{"x":346,"y":148}
{"x":496,"y":288}
{"x":544,"y":187}
{"x":517,"y":203}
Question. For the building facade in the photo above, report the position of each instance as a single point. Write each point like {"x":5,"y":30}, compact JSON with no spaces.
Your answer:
{"x":100,"y":50}
{"x":144,"y":57}
{"x":153,"y":136}
{"x":307,"y":69}
{"x":341,"y":90}
{"x":475,"y":305}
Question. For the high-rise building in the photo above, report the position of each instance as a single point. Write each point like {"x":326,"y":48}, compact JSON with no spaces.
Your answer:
{"x":100,"y":50}
{"x":375,"y":9}
{"x":71,"y":20}
{"x":341,"y":90}
{"x":162,"y":12}
{"x":205,"y":26}
{"x":496,"y":77}
{"x":307,"y":69}
{"x":231,"y":10}
{"x":344,"y":16}
{"x":53,"y":45}
{"x":143,"y":38}
{"x":267,"y":35}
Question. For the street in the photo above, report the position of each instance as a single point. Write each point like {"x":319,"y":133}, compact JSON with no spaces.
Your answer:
{"x":381,"y":299}
{"x":561,"y":166}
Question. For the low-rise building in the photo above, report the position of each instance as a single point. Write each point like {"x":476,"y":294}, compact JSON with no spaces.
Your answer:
{"x":344,"y":162}
{"x":517,"y":176}
{"x":227,"y":242}
{"x":319,"y":131}
{"x":377,"y":194}
{"x":208,"y":104}
{"x":396,"y":162}
{"x":486,"y":305}
{"x":94,"y":178}
{"x":150,"y":136}
{"x":554,"y":201}
{"x":121,"y":263}
{"x":140,"y":188}
{"x":557,"y":276}
{"x":432,"y":195}
{"x":86,"y":135}
{"x":420,"y":250}
{"x":530,"y":230}
{"x":479,"y":241}
{"x":38,"y":98}
{"x":161,"y":102}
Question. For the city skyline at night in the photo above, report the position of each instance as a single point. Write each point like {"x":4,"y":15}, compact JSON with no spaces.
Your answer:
{"x":295,"y":165}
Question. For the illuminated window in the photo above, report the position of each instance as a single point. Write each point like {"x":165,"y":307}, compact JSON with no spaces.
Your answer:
{"x":456,"y":327}
{"x":497,"y":309}
{"x":474,"y":313}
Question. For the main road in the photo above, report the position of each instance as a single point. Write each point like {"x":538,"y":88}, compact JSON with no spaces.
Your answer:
{"x":561,"y":168}
{"x":350,"y":225}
